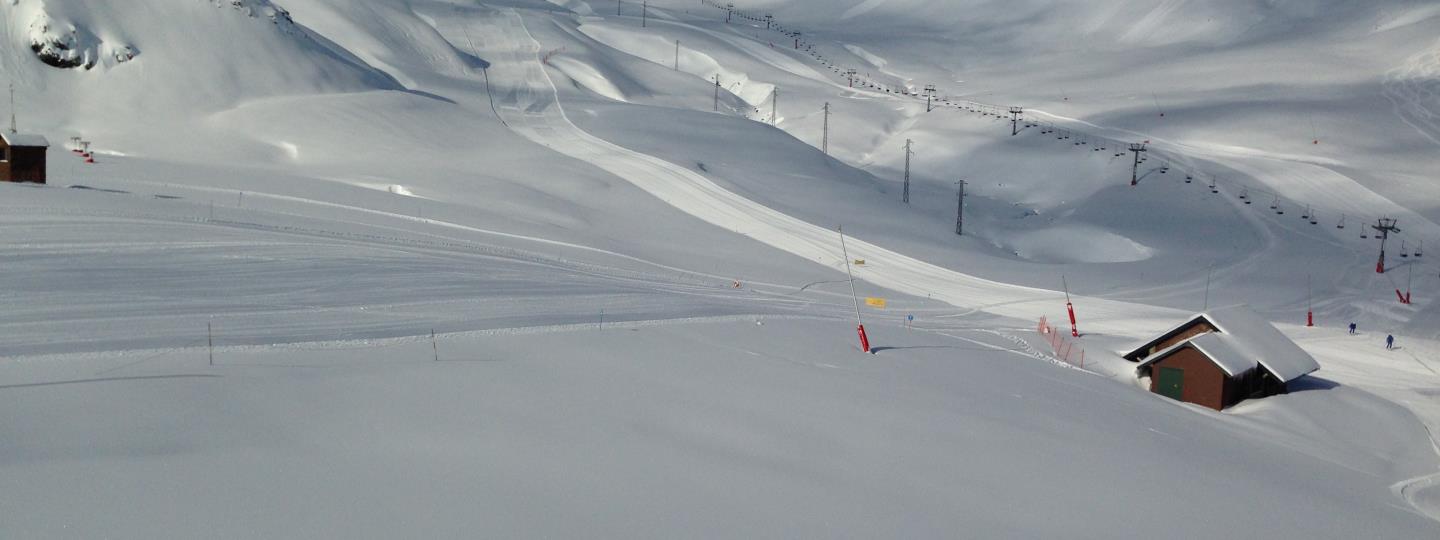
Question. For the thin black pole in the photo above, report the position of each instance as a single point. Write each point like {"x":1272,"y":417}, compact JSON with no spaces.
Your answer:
{"x":960,"y":211}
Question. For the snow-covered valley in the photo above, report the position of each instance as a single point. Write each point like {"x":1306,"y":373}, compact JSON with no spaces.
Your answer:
{"x":449,"y":268}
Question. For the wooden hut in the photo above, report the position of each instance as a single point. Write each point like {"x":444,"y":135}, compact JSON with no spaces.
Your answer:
{"x":22,"y":157}
{"x":1220,"y":358}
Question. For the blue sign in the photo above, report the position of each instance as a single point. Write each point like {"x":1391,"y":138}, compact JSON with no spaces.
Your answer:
{"x":909,"y":317}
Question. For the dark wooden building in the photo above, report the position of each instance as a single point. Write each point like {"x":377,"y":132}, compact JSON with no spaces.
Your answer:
{"x":22,"y":157}
{"x":1220,"y":358}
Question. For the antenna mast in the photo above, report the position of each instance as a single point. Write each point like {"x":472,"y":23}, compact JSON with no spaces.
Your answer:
{"x":13,"y":129}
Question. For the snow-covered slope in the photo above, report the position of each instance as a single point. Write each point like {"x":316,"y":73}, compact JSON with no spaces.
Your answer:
{"x":643,"y":266}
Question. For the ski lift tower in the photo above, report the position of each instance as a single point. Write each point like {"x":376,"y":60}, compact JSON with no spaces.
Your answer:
{"x":1384,"y":227}
{"x":1015,"y":113}
{"x":929,"y":96}
{"x":729,"y":10}
{"x":769,"y":19}
{"x":1137,"y":148}
{"x":850,"y":73}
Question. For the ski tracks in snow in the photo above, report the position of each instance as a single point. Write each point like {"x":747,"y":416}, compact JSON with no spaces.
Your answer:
{"x":531,"y":107}
{"x":1414,"y":90}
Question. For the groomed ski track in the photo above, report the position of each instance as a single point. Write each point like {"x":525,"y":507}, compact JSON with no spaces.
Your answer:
{"x":528,"y":102}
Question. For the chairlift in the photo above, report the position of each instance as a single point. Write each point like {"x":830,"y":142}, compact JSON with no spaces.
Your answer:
{"x":1306,"y":215}
{"x":1213,"y":187}
{"x":1188,"y":178}
{"x":1245,"y":194}
{"x":1341,"y":225}
{"x":1313,"y":219}
{"x":1276,"y":203}
{"x":1418,"y":254}
{"x":1403,"y":253}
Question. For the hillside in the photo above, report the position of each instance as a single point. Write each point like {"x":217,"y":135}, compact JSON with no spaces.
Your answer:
{"x":532,"y":268}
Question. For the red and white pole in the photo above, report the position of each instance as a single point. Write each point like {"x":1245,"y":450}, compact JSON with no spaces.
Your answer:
{"x":859,"y":325}
{"x":1069,"y":307}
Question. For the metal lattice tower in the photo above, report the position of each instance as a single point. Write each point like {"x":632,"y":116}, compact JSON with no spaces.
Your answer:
{"x":1137,"y":149}
{"x":929,"y":97}
{"x":905,"y":196}
{"x":1384,"y":227}
{"x":825,"y":138}
{"x":775,"y":106}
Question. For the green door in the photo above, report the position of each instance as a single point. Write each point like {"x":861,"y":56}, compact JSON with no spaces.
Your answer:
{"x":1170,"y":383}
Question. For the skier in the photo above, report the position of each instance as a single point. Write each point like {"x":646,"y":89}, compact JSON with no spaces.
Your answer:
{"x":1389,"y":342}
{"x":1352,"y":328}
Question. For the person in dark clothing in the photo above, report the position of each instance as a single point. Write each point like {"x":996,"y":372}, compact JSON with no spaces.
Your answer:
{"x":1389,"y":342}
{"x":1352,"y":328}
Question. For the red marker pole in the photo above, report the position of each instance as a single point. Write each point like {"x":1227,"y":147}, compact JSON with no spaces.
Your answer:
{"x":1309,"y":303}
{"x":1069,"y":307}
{"x":859,"y":325}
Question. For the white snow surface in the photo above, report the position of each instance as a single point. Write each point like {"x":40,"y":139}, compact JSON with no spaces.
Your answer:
{"x":24,"y":139}
{"x":443,"y":268}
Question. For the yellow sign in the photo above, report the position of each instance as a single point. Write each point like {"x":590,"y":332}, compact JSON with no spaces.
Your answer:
{"x":859,"y":262}
{"x":875,"y":302}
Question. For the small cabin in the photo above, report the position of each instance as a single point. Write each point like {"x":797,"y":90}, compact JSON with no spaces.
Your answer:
{"x":22,"y":157}
{"x":1220,"y":358}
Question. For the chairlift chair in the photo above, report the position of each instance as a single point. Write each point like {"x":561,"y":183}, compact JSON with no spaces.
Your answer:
{"x":1418,"y":254}
{"x":1306,"y":215}
{"x":1341,"y":225}
{"x":1313,"y":219}
{"x":1189,"y":178}
{"x":1403,"y":253}
{"x":1245,"y":194}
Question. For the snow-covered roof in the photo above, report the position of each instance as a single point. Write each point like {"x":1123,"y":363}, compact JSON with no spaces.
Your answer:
{"x":24,"y":139}
{"x":1244,"y":339}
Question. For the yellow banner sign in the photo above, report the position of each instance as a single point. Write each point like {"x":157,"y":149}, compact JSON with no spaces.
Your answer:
{"x":875,"y":302}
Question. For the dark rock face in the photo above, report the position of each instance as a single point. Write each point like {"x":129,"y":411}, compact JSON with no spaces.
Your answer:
{"x":59,"y":54}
